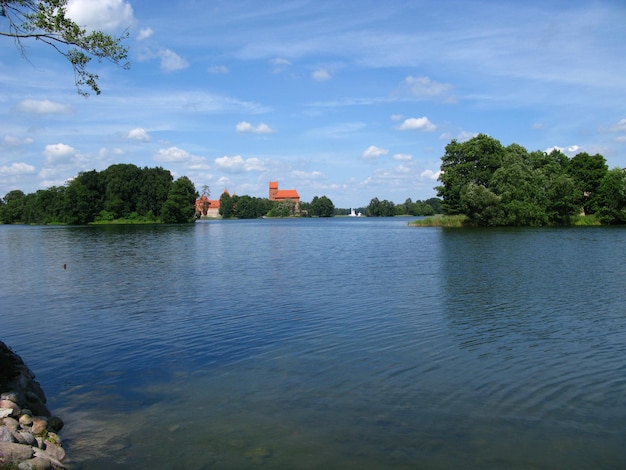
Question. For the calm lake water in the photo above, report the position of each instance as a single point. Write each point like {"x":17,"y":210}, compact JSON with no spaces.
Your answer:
{"x":315,"y":343}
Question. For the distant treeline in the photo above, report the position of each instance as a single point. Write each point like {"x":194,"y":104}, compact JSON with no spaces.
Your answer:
{"x":495,"y":185}
{"x":121,"y":192}
{"x":247,"y":207}
{"x":385,"y":208}
{"x":125,"y":193}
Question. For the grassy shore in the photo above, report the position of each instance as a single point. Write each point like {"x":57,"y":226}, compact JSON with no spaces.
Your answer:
{"x":440,"y":220}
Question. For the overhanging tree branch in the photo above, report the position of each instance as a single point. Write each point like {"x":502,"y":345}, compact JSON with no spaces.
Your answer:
{"x":46,"y":20}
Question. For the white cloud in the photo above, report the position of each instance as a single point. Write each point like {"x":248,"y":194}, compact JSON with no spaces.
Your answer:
{"x":59,"y":153}
{"x":245,"y":127}
{"x":106,"y":153}
{"x":374,"y":152}
{"x":280,"y":65}
{"x":403,"y":157}
{"x":13,"y":141}
{"x":462,"y":136}
{"x":417,"y":124}
{"x":175,"y":155}
{"x":172,"y":155}
{"x":321,"y":75}
{"x":620,"y":126}
{"x":218,"y":69}
{"x":138,"y":134}
{"x":17,"y":169}
{"x":144,"y":33}
{"x":30,"y":106}
{"x":307,"y":175}
{"x":236,"y":164}
{"x":170,"y":61}
{"x":396,"y":117}
{"x":429,"y":174}
{"x":105,"y":15}
{"x":424,"y":87}
{"x":571,"y":150}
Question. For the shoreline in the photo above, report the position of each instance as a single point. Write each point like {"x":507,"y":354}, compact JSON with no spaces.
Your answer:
{"x":28,"y":431}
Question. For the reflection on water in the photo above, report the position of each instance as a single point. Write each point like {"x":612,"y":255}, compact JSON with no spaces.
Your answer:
{"x":335,"y":343}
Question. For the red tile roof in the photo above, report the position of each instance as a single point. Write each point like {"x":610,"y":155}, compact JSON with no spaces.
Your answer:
{"x":287,"y":194}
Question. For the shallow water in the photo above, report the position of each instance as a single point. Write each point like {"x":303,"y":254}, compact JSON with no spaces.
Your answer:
{"x":344,"y":343}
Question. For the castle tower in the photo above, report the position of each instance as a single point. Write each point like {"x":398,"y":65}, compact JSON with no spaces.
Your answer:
{"x":273,"y":190}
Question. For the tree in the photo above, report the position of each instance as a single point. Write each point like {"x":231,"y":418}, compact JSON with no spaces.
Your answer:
{"x":520,"y":188}
{"x":154,"y":188}
{"x":588,"y":172}
{"x":180,"y":206}
{"x":480,"y":205}
{"x":46,"y":21}
{"x":377,"y":208}
{"x":122,"y":184}
{"x":562,"y":199}
{"x":611,"y":197}
{"x":226,"y":206}
{"x":473,"y":161}
{"x":84,"y":198}
{"x":373,"y":208}
{"x":322,"y":207}
{"x":12,"y":209}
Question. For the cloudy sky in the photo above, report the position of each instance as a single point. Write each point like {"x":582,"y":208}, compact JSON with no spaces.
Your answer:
{"x":353,"y":99}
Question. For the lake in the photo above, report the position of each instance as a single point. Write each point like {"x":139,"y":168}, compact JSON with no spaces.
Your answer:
{"x":324,"y":343}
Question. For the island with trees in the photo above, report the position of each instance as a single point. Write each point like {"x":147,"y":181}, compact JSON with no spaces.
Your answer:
{"x":123,"y":193}
{"x":484,"y":183}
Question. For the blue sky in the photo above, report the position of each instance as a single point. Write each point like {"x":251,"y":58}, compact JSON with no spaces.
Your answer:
{"x":351,"y":99}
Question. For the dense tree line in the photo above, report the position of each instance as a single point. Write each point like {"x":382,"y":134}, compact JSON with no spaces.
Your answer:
{"x":496,"y":185}
{"x":320,"y":207}
{"x":122,"y":191}
{"x":385,"y":208}
{"x":247,"y":207}
{"x":243,"y":207}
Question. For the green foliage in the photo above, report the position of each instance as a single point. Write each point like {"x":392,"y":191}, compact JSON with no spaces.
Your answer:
{"x":247,"y":207}
{"x":226,"y":205}
{"x":12,"y":208}
{"x":243,"y":207}
{"x":322,"y":207}
{"x":494,"y":185}
{"x":285,"y":208}
{"x":123,"y":193}
{"x":179,"y":208}
{"x":588,"y":172}
{"x":611,"y":197}
{"x":46,"y":21}
{"x":480,"y":205}
{"x":585,"y":221}
{"x":418,"y":207}
{"x":473,"y":161}
{"x":382,"y":208}
{"x":442,"y":221}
